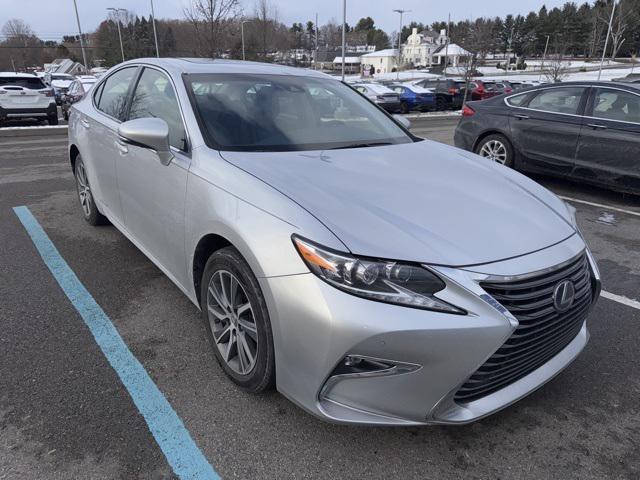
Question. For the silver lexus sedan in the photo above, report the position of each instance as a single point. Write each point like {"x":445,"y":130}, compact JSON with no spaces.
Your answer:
{"x":371,"y":276}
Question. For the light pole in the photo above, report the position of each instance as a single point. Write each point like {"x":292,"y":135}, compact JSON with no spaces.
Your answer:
{"x":242,"y":35}
{"x":155,"y":32}
{"x":117,"y":12}
{"x":401,"y":12}
{"x":606,"y":42}
{"x":446,"y":48}
{"x":544,"y":56}
{"x":84,"y":55}
{"x":344,"y":33}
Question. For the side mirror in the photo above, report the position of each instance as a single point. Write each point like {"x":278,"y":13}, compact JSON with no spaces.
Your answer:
{"x":402,"y":120}
{"x":151,"y":133}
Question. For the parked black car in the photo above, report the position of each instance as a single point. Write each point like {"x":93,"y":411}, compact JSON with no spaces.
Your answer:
{"x":449,"y":92}
{"x":587,"y":131}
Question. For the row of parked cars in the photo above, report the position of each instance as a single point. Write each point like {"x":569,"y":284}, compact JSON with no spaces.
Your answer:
{"x":26,"y":95}
{"x":435,"y":94}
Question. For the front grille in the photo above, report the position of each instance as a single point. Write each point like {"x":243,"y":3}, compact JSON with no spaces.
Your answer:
{"x":542,"y":332}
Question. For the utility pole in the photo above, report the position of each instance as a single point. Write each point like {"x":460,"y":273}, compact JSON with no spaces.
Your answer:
{"x":446,"y":48}
{"x":606,"y":42}
{"x":401,"y":12}
{"x":315,"y":56}
{"x":155,"y":32}
{"x":117,"y":12}
{"x":344,"y":33}
{"x":242,"y":35}
{"x":510,"y":49}
{"x":84,"y":54}
{"x":544,"y":56}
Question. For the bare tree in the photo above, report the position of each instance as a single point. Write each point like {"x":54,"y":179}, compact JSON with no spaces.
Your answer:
{"x":620,"y":24}
{"x":210,"y":19}
{"x":555,"y":69}
{"x":21,"y":47}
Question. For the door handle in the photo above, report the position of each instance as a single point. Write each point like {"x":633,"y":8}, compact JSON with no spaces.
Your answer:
{"x":122,"y":147}
{"x":521,"y":116}
{"x":85,"y":123}
{"x":597,"y":126}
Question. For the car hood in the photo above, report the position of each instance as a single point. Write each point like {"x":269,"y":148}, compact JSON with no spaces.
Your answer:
{"x":422,"y":202}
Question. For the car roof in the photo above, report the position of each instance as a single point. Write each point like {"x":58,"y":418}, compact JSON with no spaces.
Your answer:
{"x":590,"y":83}
{"x":179,"y":66}
{"x":17,"y":75}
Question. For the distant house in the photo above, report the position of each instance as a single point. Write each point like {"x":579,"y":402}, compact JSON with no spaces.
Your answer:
{"x":452,"y":55}
{"x":383,"y":61}
{"x":64,"y":65}
{"x":420,"y":47}
{"x":351,"y":64}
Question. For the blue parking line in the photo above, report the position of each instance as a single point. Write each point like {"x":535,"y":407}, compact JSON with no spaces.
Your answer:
{"x":174,"y":440}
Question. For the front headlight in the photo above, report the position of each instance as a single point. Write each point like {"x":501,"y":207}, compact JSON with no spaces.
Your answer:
{"x":572,"y":215}
{"x":381,"y":280}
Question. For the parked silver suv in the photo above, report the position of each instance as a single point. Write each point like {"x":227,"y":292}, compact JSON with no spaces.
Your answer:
{"x":23,"y":95}
{"x":373,"y":277}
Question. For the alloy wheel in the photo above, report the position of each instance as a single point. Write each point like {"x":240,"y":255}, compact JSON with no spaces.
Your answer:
{"x":232,"y":322}
{"x":494,"y":150}
{"x":84,"y":191}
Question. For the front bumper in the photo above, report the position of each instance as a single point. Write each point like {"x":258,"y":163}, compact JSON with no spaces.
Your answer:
{"x":316,"y":326}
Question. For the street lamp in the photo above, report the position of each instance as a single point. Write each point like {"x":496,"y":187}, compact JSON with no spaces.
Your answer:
{"x":242,"y":35}
{"x":344,"y":33}
{"x":606,"y":42}
{"x":155,"y":32}
{"x":117,"y":12}
{"x":401,"y":12}
{"x":84,"y":55}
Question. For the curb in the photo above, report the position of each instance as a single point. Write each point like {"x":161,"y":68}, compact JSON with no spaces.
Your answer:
{"x":12,"y":132}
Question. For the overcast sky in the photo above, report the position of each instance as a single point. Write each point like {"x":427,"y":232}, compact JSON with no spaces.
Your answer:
{"x":51,"y":19}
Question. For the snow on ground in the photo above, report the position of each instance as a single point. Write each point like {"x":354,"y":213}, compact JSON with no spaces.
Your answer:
{"x":405,"y":76}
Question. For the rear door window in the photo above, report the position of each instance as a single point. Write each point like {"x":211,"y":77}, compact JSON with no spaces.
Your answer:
{"x":517,"y":100}
{"x":113,"y":95}
{"x":558,"y":100}
{"x":616,"y":105}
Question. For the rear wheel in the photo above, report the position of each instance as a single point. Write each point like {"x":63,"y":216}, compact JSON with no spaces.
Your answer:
{"x":237,"y":321}
{"x":53,"y":119}
{"x":85,"y":196}
{"x":497,"y":148}
{"x":441,"y":104}
{"x":404,"y":107}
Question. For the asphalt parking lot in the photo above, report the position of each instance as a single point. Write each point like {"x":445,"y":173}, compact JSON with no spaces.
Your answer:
{"x":65,"y":414}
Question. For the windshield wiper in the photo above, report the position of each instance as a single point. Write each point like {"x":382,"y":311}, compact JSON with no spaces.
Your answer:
{"x":362,"y":145}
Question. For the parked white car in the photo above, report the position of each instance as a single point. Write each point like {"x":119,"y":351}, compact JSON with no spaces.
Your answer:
{"x":60,"y":82}
{"x":23,"y":95}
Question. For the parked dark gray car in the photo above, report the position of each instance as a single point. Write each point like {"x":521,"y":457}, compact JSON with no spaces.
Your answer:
{"x":588,"y":131}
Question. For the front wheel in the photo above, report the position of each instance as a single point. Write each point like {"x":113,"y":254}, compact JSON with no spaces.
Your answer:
{"x":237,"y":321}
{"x":441,"y":104}
{"x":404,"y":107}
{"x":53,"y":119}
{"x":497,"y":148}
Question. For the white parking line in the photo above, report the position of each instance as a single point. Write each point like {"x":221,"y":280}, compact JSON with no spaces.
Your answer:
{"x":600,"y":205}
{"x":620,"y":299}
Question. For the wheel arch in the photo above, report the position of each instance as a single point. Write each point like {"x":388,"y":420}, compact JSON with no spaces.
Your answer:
{"x":73,"y":154}
{"x":206,"y":246}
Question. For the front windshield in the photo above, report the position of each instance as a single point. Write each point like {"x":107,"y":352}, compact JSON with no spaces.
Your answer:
{"x":282,"y":113}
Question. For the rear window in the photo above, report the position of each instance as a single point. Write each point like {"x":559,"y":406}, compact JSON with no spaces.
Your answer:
{"x":33,"y":83}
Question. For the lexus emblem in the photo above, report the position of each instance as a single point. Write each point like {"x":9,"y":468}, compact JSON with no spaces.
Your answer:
{"x":563,"y":296}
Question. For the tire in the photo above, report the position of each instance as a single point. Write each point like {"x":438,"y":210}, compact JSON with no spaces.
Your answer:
{"x":441,"y":104}
{"x":237,"y":338}
{"x":496,"y":147}
{"x":65,"y":114}
{"x":404,"y":107}
{"x":85,"y":197}
{"x":53,"y":120}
